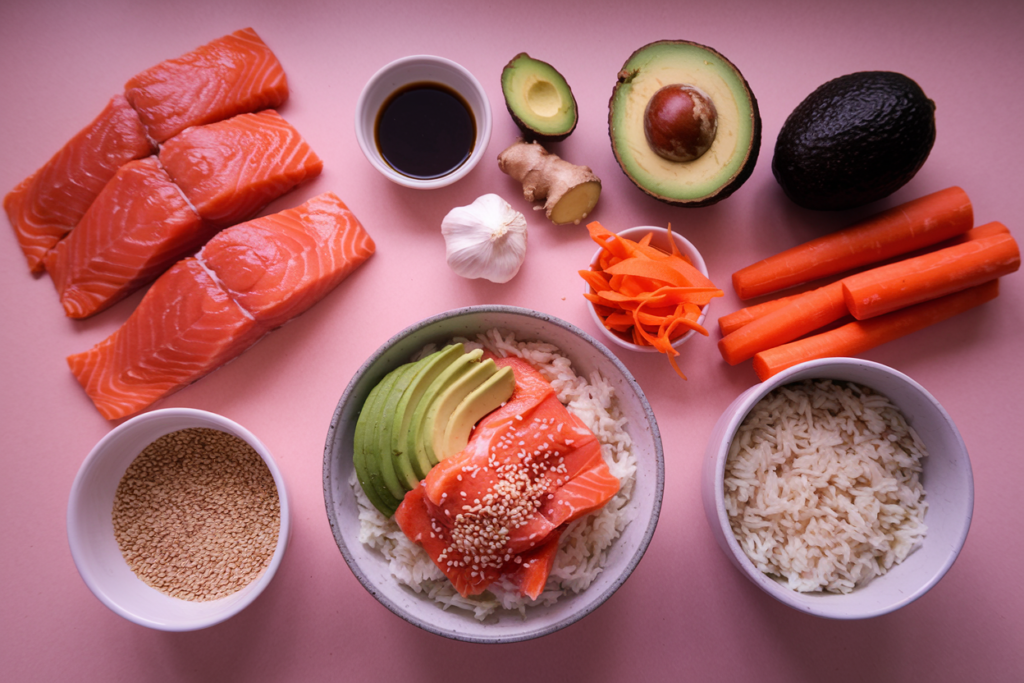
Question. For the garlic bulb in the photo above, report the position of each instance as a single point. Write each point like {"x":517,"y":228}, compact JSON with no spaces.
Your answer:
{"x":485,"y":239}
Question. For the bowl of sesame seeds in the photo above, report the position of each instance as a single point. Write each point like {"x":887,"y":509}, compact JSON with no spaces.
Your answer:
{"x":178,"y":519}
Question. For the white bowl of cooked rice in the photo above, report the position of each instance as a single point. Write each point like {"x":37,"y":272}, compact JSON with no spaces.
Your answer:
{"x":597,"y":552}
{"x":840,"y":487}
{"x":178,"y":519}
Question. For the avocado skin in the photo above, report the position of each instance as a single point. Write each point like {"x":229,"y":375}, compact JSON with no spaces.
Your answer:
{"x":854,"y":140}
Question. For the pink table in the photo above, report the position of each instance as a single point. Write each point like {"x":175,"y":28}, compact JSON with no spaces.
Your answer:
{"x":685,"y":612}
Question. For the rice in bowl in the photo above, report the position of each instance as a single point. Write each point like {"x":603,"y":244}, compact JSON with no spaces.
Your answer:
{"x":823,"y":485}
{"x":584,"y":545}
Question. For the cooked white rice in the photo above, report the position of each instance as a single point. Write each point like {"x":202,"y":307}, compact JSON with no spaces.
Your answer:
{"x":822,"y":485}
{"x":583,"y":547}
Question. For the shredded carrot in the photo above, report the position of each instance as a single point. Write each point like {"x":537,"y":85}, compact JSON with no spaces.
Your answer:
{"x":648,"y":296}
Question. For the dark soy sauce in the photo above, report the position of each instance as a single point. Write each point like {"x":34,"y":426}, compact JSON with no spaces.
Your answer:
{"x":425,"y":130}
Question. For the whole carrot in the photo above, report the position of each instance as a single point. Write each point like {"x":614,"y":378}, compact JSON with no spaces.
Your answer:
{"x":929,"y":276}
{"x":862,"y":335}
{"x":802,"y":314}
{"x":901,"y":229}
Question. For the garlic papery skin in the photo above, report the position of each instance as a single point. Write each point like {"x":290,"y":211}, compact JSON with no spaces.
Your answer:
{"x":486,"y":239}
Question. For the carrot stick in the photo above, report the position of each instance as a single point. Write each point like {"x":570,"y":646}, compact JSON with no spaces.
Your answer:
{"x":804,"y":313}
{"x":987,"y":230}
{"x":903,"y":228}
{"x":929,"y":276}
{"x":731,"y":322}
{"x":859,"y":336}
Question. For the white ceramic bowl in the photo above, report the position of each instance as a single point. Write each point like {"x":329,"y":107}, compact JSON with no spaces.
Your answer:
{"x":660,"y":240}
{"x":416,"y":69}
{"x":947,"y":479}
{"x":91,"y":530}
{"x":586,"y":355}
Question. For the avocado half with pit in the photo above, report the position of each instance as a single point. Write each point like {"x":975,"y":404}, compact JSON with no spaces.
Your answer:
{"x":539,"y":99}
{"x":684,"y":124}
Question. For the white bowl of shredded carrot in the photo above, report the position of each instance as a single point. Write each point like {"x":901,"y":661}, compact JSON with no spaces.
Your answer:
{"x":595,"y":370}
{"x":648,"y":289}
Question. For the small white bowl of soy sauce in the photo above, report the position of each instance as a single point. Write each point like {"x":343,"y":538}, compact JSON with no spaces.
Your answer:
{"x":423,"y":121}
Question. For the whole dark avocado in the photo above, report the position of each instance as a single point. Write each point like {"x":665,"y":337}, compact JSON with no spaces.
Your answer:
{"x":856,"y":139}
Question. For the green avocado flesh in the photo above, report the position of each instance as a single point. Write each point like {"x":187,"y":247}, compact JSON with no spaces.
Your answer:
{"x":538,"y":98}
{"x":419,"y":414}
{"x":855,"y":139}
{"x":731,"y":158}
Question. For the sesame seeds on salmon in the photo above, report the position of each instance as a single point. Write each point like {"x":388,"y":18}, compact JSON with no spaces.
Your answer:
{"x":502,"y":501}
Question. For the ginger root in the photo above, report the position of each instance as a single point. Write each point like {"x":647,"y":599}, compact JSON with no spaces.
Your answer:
{"x":570,"y":191}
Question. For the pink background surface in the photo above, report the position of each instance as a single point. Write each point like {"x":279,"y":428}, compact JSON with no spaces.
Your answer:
{"x":685,"y":612}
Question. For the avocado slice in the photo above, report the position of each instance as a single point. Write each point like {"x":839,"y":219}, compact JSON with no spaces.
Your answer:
{"x":367,"y":465}
{"x":539,"y":99}
{"x":390,"y":467}
{"x":854,"y":140}
{"x":415,"y":444}
{"x":487,"y":397}
{"x":427,"y":371}
{"x":440,"y":412}
{"x":729,"y":160}
{"x":379,"y":462}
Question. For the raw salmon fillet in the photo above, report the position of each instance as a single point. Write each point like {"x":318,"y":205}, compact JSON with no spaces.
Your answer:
{"x":232,"y":169}
{"x":48,"y":204}
{"x":280,"y":265}
{"x":189,"y":323}
{"x":530,"y":468}
{"x":139,"y":226}
{"x":232,"y":75}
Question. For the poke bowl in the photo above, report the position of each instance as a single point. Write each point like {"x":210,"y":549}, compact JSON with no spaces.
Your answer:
{"x":912,"y":563}
{"x":592,"y":362}
{"x":660,"y":240}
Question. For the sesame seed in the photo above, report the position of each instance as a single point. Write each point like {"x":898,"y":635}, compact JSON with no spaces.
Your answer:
{"x":196,"y":515}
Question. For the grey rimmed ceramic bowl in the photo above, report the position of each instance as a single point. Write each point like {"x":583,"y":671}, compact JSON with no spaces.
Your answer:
{"x":587,"y":355}
{"x":946,"y":477}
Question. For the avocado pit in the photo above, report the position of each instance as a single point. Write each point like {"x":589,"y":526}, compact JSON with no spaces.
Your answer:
{"x":680,"y":122}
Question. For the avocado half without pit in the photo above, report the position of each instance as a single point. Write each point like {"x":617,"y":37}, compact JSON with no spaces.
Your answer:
{"x":684,"y":124}
{"x":539,"y":99}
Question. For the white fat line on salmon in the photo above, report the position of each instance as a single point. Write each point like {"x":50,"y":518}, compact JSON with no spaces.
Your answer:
{"x":220,"y":285}
{"x":176,"y":186}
